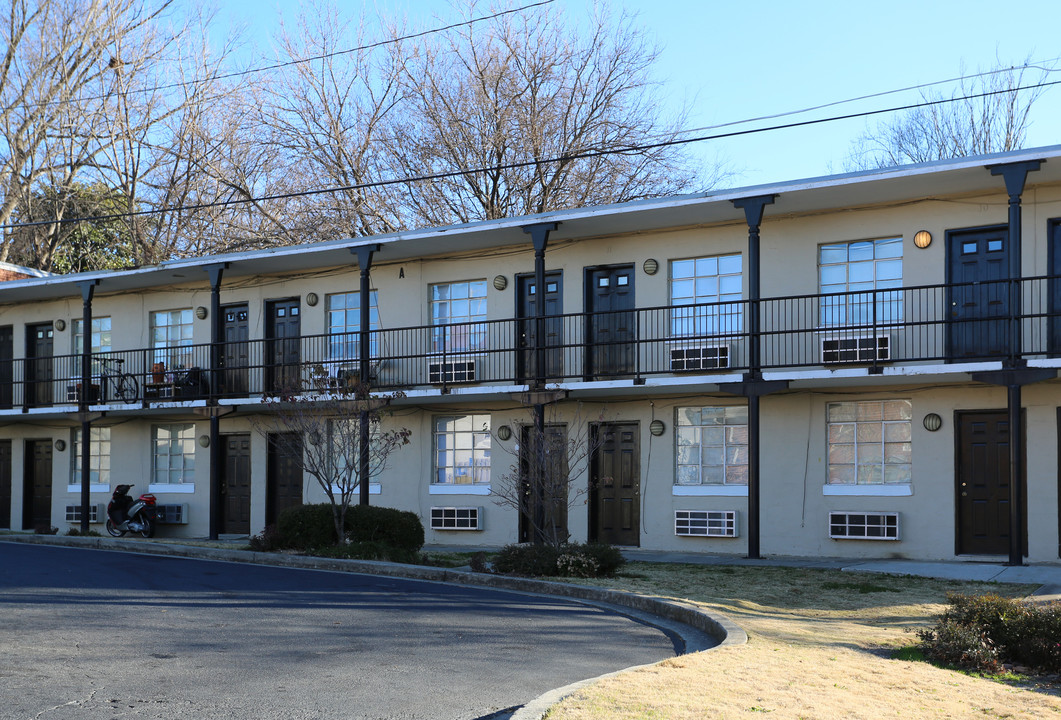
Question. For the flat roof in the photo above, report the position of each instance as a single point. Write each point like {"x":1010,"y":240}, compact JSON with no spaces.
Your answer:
{"x":944,"y":178}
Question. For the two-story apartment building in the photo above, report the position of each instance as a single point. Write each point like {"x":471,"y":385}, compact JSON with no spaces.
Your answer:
{"x":837,"y":366}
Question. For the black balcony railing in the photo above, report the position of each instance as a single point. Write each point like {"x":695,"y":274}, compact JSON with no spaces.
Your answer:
{"x":872,"y":328}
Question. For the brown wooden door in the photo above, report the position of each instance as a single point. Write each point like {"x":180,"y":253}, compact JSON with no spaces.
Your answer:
{"x":39,"y":364}
{"x":236,"y":484}
{"x":37,"y":485}
{"x":611,"y":331}
{"x":978,"y":296}
{"x":615,"y":496}
{"x":283,"y":485}
{"x":545,"y":509}
{"x":7,"y":367}
{"x":283,"y":329}
{"x":552,"y":326}
{"x":235,"y":333}
{"x":5,"y":484}
{"x":982,"y":480}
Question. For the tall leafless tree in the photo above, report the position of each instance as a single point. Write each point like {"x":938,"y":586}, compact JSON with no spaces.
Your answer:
{"x":987,"y":113}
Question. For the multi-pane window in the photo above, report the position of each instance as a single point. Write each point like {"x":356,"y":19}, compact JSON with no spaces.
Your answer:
{"x":712,"y":446}
{"x":461,"y":307}
{"x":100,"y":340}
{"x":860,"y":271}
{"x":714,"y":286}
{"x":869,"y":442}
{"x":99,"y":451}
{"x":344,"y":324}
{"x":462,"y":450}
{"x":173,"y":454}
{"x":171,"y":338}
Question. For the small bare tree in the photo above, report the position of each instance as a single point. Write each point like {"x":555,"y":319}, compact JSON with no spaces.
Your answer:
{"x":541,"y":484}
{"x":319,"y":426}
{"x":990,"y":113}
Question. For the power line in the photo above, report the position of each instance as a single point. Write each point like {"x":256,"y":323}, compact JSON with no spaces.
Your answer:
{"x":529,"y":163}
{"x":277,"y":66}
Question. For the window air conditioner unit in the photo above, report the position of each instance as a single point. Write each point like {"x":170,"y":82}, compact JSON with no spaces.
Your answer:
{"x":705,"y":523}
{"x":172,"y":514}
{"x":864,"y":525}
{"x":456,"y":518}
{"x":856,"y":349}
{"x":96,"y":513}
{"x":457,"y":371}
{"x":708,"y":357}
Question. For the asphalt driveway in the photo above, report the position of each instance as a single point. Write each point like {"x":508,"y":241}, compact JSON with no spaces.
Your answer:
{"x":93,"y":634}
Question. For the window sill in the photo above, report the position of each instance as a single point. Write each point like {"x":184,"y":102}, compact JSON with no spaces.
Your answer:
{"x":172,"y":488}
{"x":710,"y":490}
{"x":869,"y":490}
{"x":458,"y":489}
{"x":91,"y":488}
{"x":373,"y":489}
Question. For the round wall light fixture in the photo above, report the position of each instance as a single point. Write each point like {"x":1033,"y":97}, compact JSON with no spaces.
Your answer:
{"x":60,"y":444}
{"x":656,"y":427}
{"x":500,"y":282}
{"x":312,"y":299}
{"x":201,"y":312}
{"x":504,"y":432}
{"x":932,"y":422}
{"x":650,"y":266}
{"x":60,"y":324}
{"x":204,"y":441}
{"x":922,"y":239}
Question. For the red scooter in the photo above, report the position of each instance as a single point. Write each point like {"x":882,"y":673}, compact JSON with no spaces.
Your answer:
{"x":126,"y":515}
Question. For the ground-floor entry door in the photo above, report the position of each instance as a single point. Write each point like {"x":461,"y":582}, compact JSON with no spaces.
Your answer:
{"x":983,"y":484}
{"x":5,"y":484}
{"x":37,"y":485}
{"x":615,"y":492}
{"x":283,"y":471}
{"x":236,"y":484}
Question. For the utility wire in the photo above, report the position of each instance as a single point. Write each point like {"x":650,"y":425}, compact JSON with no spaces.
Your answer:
{"x":527,"y":163}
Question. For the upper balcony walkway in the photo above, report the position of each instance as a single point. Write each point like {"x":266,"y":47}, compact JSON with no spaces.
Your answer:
{"x":872,"y":329}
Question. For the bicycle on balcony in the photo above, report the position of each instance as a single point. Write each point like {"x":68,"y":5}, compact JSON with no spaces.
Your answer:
{"x":123,"y":385}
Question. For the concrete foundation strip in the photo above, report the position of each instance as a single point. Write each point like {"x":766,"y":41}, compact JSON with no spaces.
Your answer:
{"x":690,"y":623}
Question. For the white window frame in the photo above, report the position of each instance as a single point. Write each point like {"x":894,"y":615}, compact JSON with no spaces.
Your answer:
{"x":689,"y":436}
{"x":99,"y":447}
{"x":852,"y":273}
{"x":461,"y":308}
{"x":714,"y":285}
{"x":454,"y":436}
{"x":344,"y":325}
{"x":171,"y":341}
{"x":853,"y":448}
{"x":100,"y":339}
{"x":182,"y":435}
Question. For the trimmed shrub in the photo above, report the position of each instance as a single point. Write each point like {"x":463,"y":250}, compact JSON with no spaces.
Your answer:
{"x":267,"y":540}
{"x":954,"y":643}
{"x":608,"y":557}
{"x":527,"y":560}
{"x":397,"y":528}
{"x":304,"y":527}
{"x":569,"y":560}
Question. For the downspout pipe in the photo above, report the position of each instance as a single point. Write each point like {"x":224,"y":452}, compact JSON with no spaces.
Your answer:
{"x":88,"y":289}
{"x":753,"y":214}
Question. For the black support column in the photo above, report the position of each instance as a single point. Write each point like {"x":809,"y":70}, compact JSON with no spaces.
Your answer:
{"x":215,"y":273}
{"x":753,"y":387}
{"x":88,"y":289}
{"x":364,"y":263}
{"x":1015,"y":175}
{"x":540,"y":238}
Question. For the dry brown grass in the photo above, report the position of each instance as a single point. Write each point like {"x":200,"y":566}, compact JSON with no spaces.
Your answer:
{"x":820,"y":646}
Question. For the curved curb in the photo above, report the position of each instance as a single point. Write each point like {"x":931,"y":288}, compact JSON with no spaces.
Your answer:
{"x":720,"y":628}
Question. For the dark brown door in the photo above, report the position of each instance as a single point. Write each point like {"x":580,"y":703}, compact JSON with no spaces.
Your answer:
{"x":283,"y":475}
{"x":235,"y":333}
{"x":543,"y":510}
{"x":611,"y":333}
{"x":37,"y":485}
{"x":5,"y":484}
{"x":7,"y":375}
{"x":39,"y":365}
{"x":283,"y":328}
{"x":236,"y":484}
{"x":552,"y":326}
{"x":982,"y":479}
{"x":1053,"y":252}
{"x":978,"y":294}
{"x":615,"y":493}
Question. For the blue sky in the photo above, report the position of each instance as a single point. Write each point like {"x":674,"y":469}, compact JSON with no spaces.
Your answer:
{"x":734,"y":60}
